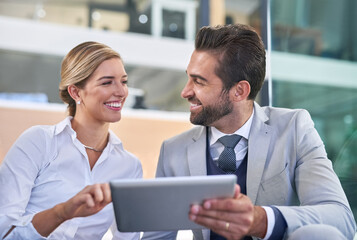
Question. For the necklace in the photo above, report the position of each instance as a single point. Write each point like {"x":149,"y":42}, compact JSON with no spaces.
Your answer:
{"x":91,"y":148}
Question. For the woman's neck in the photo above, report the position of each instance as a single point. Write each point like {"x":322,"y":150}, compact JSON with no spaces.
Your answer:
{"x":92,"y":135}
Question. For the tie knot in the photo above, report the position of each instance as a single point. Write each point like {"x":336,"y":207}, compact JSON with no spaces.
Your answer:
{"x":230,"y":140}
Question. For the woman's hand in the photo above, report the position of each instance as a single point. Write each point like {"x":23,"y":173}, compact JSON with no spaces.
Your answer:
{"x":89,"y":201}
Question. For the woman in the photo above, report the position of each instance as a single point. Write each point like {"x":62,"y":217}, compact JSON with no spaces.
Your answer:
{"x":54,"y":179}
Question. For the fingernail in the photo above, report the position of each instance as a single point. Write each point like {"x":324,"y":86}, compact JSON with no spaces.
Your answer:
{"x":195,"y":209}
{"x":192,"y":217}
{"x":207,"y":205}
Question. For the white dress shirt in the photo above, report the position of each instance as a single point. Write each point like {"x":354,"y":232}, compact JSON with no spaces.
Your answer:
{"x":48,"y":165}
{"x":241,"y":149}
{"x":216,"y":147}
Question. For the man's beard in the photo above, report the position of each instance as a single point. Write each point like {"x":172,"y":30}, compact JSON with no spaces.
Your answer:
{"x":212,"y":113}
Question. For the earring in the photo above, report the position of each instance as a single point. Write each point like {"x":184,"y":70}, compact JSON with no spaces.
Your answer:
{"x":236,"y":94}
{"x":79,"y":102}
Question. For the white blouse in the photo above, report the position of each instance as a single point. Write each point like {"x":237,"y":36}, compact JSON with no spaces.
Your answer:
{"x":48,"y":165}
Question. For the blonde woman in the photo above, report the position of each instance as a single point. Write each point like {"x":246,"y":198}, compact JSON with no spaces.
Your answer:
{"x":54,"y":179}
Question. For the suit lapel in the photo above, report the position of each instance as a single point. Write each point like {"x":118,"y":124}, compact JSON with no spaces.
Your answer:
{"x":196,"y":153}
{"x":258,"y":146}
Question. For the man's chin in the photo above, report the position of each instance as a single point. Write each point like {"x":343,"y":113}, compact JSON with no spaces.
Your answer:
{"x":197,"y":120}
{"x":193,"y":119}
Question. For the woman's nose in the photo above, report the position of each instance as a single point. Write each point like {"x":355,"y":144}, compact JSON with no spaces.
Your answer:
{"x":120,"y":89}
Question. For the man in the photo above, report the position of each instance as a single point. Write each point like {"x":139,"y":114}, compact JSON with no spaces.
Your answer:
{"x":286,"y":185}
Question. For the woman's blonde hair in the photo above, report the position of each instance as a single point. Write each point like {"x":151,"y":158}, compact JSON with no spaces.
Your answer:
{"x":78,"y":65}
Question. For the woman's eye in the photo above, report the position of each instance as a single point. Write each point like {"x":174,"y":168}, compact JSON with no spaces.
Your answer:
{"x":107,"y":83}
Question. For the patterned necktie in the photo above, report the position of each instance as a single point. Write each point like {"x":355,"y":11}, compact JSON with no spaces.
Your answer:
{"x":227,"y":159}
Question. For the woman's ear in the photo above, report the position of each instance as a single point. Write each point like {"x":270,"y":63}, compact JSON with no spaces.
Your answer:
{"x":241,"y":90}
{"x":74,"y":93}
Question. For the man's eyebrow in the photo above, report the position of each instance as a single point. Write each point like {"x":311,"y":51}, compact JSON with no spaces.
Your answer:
{"x":197,"y":76}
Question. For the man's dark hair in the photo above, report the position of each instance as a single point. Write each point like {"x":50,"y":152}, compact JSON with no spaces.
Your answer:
{"x":240,"y":53}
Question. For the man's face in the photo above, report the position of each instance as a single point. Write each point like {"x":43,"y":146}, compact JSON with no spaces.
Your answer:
{"x":203,"y":90}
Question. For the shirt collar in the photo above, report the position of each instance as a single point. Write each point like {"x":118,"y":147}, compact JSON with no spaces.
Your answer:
{"x":244,"y":131}
{"x":66,"y":124}
{"x":113,"y":139}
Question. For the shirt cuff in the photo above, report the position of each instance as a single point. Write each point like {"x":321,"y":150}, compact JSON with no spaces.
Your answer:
{"x":25,"y":230}
{"x":271,"y":221}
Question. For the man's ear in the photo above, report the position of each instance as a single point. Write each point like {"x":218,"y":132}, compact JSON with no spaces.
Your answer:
{"x":241,"y":90}
{"x":74,"y":92}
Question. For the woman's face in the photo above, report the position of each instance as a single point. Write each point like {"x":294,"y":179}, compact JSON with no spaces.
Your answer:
{"x":104,"y":94}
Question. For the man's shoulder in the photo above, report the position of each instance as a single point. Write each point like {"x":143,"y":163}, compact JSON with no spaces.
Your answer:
{"x":281,"y":110}
{"x":191,"y":134}
{"x":281,"y":114}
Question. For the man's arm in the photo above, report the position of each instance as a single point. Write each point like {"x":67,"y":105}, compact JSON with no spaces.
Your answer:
{"x":321,"y":196}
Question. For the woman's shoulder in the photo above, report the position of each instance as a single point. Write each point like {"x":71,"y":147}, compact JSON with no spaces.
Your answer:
{"x":38,"y":132}
{"x":34,"y":144}
{"x":47,"y":131}
{"x":42,"y":137}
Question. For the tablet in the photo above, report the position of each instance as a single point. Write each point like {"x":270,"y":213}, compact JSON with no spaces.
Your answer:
{"x":163,"y":204}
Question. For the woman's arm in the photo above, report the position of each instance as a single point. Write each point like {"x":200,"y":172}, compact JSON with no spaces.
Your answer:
{"x":87,"y":202}
{"x":18,"y":172}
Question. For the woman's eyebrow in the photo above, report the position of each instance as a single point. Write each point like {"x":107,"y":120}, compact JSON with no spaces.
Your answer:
{"x":105,"y":77}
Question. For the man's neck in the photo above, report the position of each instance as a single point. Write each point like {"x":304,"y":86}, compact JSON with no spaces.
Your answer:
{"x":234,"y":121}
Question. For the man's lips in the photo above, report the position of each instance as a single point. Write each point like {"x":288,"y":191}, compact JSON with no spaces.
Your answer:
{"x":194,"y":106}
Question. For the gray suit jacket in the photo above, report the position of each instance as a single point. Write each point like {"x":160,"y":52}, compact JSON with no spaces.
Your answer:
{"x":287,"y":167}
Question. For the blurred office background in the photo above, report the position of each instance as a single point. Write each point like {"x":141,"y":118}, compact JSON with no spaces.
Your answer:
{"x":311,"y":46}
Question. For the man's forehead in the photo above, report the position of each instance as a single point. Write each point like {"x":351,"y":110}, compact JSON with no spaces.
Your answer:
{"x":200,"y":60}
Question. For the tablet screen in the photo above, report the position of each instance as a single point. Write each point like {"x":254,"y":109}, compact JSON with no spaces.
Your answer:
{"x":163,"y":204}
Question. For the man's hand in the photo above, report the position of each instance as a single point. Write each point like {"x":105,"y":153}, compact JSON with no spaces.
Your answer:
{"x":233,"y":218}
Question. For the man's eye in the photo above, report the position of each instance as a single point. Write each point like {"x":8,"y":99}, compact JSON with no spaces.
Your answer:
{"x":198,"y":81}
{"x":125,"y":81}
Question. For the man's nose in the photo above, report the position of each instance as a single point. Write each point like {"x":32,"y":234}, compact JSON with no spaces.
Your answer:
{"x":187,"y":91}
